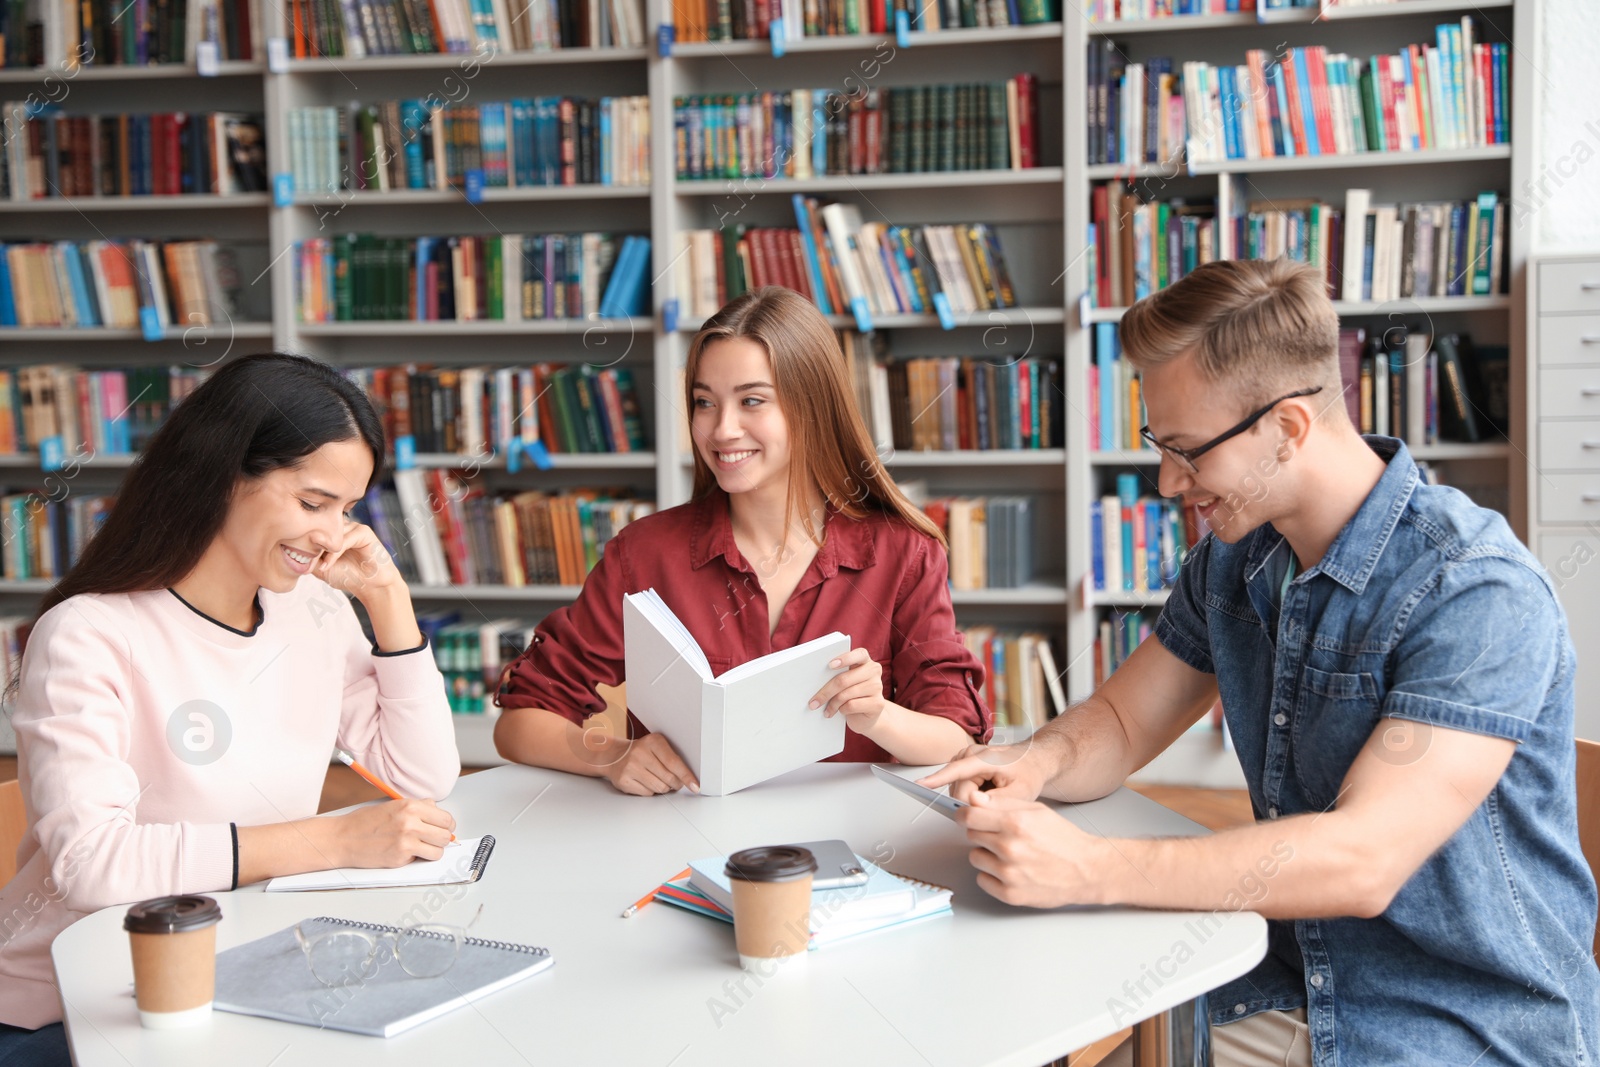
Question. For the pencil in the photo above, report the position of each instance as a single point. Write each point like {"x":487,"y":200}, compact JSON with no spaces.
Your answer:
{"x":648,"y":897}
{"x":350,"y":761}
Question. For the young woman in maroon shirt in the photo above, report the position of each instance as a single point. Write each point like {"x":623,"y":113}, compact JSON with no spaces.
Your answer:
{"x":795,"y":529}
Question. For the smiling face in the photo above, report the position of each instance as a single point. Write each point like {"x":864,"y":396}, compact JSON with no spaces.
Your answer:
{"x":739,"y":429}
{"x":280,"y":524}
{"x":1239,"y":485}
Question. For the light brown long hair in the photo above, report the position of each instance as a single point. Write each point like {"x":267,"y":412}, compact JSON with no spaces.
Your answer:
{"x":828,"y":439}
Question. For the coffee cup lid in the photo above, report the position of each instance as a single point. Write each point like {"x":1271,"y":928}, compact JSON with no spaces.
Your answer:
{"x":770,"y":863}
{"x":172,"y":915}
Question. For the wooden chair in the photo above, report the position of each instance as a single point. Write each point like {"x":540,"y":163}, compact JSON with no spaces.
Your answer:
{"x":13,"y":824}
{"x":1589,"y":809}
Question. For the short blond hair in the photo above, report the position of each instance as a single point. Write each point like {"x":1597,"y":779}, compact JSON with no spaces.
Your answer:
{"x":1265,"y":326}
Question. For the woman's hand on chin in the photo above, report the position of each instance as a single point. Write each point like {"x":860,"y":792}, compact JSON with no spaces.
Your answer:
{"x":361,"y":566}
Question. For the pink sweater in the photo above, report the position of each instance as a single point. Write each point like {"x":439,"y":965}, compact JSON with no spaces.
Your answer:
{"x":144,"y":729}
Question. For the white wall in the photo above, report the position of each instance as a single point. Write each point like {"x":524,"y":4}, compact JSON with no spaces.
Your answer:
{"x":1566,"y":171}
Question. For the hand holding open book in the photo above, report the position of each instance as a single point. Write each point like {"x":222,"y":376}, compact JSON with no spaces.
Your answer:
{"x":739,"y":728}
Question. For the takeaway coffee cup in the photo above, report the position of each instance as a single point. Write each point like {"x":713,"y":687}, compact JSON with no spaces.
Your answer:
{"x":174,"y":941}
{"x":771,"y":904}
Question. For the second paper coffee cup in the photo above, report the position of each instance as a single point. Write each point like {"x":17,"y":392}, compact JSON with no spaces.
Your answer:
{"x":771,"y":904}
{"x":174,"y":943}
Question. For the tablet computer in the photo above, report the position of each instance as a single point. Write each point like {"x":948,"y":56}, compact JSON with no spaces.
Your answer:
{"x":940,"y":802}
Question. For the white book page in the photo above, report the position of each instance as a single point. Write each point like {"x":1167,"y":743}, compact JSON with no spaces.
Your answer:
{"x":454,"y":867}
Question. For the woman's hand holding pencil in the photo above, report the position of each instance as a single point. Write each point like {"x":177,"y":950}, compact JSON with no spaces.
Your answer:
{"x":393,"y":834}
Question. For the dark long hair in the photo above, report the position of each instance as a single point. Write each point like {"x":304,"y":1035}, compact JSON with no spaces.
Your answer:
{"x":257,"y":414}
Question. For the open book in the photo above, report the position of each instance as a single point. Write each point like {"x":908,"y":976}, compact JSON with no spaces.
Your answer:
{"x":745,"y":726}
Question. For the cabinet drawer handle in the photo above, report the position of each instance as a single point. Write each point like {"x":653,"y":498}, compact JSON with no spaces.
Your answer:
{"x":1592,"y":390}
{"x":1589,"y":446}
{"x":1589,"y":287}
{"x":1591,"y":498}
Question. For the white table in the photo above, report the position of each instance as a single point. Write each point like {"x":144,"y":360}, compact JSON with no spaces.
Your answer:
{"x":992,"y":984}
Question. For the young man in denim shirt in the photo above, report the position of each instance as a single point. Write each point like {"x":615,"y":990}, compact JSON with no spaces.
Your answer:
{"x":1397,"y":677}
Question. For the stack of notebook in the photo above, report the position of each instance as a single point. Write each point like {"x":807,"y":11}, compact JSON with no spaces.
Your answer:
{"x":885,"y":901}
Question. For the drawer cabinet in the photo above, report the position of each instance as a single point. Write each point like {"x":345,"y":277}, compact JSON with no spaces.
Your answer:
{"x":1573,"y":561}
{"x":1569,"y":339}
{"x":1569,"y":392}
{"x":1573,"y":285}
{"x":1569,"y":446}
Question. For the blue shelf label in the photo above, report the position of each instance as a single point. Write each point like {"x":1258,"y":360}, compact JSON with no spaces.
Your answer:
{"x":405,"y":452}
{"x":666,"y":33}
{"x":669,"y":315}
{"x":475,"y":185}
{"x":205,"y":59}
{"x":858,"y":307}
{"x":282,"y":190}
{"x":941,"y":304}
{"x":1085,"y":306}
{"x":150,"y":325}
{"x":902,"y":29}
{"x":278,"y":55}
{"x":52,"y":453}
{"x":539,"y":454}
{"x":775,"y":31}
{"x":514,"y":455}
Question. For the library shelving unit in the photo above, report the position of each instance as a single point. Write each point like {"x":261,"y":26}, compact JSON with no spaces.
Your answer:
{"x":1428,"y":175}
{"x":1041,"y":215}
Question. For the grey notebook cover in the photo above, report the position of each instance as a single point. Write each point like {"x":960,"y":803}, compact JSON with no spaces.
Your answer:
{"x":269,"y":977}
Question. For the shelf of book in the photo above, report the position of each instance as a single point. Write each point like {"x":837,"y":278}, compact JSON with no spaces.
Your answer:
{"x":1447,"y":450}
{"x":109,"y":460}
{"x":1130,"y":600}
{"x":25,"y":586}
{"x":985,"y":457}
{"x":466,"y":61}
{"x":869,"y":183}
{"x":242,"y":331}
{"x":1334,"y":12}
{"x":964,"y":37}
{"x":1129,"y":457}
{"x":1044,"y":593}
{"x":230,"y":68}
{"x":477,"y":327}
{"x":984,"y":319}
{"x":1325,"y":161}
{"x":55,"y":205}
{"x":1053,"y":265}
{"x":519,"y":195}
{"x":558,"y":461}
{"x":1400,"y":305}
{"x":562,"y":593}
{"x":1451,"y":174}
{"x":974,"y":457}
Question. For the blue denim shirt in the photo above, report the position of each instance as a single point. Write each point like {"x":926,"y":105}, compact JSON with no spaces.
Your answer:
{"x":1426,"y":607}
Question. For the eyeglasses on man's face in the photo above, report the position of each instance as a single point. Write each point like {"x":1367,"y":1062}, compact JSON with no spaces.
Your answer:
{"x":1188,"y":456}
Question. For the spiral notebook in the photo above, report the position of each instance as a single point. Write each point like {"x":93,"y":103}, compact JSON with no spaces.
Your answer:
{"x":463,"y":861}
{"x":270,"y":977}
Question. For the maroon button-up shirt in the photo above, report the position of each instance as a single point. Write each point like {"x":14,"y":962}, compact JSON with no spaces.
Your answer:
{"x":876,"y":580}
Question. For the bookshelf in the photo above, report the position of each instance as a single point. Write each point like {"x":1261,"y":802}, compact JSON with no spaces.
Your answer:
{"x":1431,"y":174}
{"x":1041,"y":214}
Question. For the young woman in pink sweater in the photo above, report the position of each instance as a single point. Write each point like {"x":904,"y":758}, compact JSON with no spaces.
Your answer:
{"x":186,"y":683}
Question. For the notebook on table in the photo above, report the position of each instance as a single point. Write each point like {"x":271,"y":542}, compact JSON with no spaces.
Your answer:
{"x":887,"y":900}
{"x":270,"y":977}
{"x":463,"y":861}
